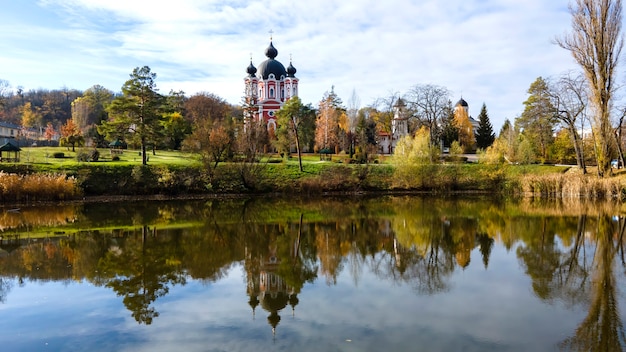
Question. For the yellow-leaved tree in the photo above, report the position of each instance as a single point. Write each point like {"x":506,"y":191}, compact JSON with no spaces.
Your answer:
{"x":414,"y":160}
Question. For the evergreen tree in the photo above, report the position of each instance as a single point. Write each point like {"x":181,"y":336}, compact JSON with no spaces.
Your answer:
{"x":484,"y":133}
{"x":450,"y":132}
{"x":538,"y":119}
{"x":138,"y":111}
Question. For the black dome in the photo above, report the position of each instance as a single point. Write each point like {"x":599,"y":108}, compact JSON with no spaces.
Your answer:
{"x":271,"y":66}
{"x":291,"y":71}
{"x":271,"y":52}
{"x":251,"y":69}
{"x":463,"y":103}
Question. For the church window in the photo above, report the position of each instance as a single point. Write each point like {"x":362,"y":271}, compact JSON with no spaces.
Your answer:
{"x":271,"y":92}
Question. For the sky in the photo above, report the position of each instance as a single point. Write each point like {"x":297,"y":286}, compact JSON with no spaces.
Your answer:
{"x":485,"y":51}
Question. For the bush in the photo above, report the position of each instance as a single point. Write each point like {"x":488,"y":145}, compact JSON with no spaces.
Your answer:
{"x":92,"y":155}
{"x":58,"y":155}
{"x":115,"y":158}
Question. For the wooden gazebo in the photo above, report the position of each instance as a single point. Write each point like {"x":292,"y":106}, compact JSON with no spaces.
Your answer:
{"x":9,"y":149}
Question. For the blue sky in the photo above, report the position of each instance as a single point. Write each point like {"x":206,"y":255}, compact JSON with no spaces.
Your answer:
{"x":483,"y":50}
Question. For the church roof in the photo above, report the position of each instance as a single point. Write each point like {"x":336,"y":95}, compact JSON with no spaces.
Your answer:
{"x":291,"y":71}
{"x":251,"y":69}
{"x":463,"y":103}
{"x":271,"y":66}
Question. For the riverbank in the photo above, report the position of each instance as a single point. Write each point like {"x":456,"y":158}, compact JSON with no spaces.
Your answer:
{"x":108,"y":182}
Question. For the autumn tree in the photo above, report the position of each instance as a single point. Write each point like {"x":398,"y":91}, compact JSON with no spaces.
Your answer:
{"x":137,"y":111}
{"x":175,"y":126}
{"x":90,"y":108}
{"x":327,"y":127}
{"x":563,"y":148}
{"x":71,"y":135}
{"x":538,"y":119}
{"x":596,"y":43}
{"x":484,"y":134}
{"x":31,"y":117}
{"x":213,"y":140}
{"x":381,"y":112}
{"x":49,"y":132}
{"x":205,"y":105}
{"x":464,"y":127}
{"x":295,"y":123}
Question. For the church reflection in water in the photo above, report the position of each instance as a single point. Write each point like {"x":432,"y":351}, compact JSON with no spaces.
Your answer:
{"x":265,"y":287}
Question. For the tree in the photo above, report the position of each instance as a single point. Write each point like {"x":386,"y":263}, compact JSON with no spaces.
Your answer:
{"x":429,"y":104}
{"x":538,"y":119}
{"x":212,"y":140}
{"x":570,"y":96}
{"x":327,"y":127}
{"x":49,"y":132}
{"x":484,"y":133}
{"x":4,"y":88}
{"x":90,"y":109}
{"x":596,"y":44}
{"x":449,"y":130}
{"x":175,"y":126}
{"x":206,"y":106}
{"x":137,"y":110}
{"x":464,"y":127}
{"x":365,"y":135}
{"x":71,"y":135}
{"x":563,"y":148}
{"x":31,"y":117}
{"x":295,"y":121}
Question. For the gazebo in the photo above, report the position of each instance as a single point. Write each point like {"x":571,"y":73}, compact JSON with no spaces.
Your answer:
{"x":9,"y":148}
{"x":116,"y":147}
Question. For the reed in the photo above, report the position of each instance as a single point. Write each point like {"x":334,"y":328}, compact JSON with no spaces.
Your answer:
{"x":572,"y":186}
{"x":37,"y":187}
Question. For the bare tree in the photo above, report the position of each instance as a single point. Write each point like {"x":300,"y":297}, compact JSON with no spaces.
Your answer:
{"x":429,"y":104}
{"x":570,"y":95}
{"x":4,"y":89}
{"x":596,"y":43}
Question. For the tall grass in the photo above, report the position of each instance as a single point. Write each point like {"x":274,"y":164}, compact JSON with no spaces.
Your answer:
{"x":37,"y":187}
{"x":572,"y":186}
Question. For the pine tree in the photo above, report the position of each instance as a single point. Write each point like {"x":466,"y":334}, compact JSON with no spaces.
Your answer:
{"x":484,"y":133}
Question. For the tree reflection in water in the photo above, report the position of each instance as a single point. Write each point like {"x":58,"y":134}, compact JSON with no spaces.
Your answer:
{"x":602,"y":329}
{"x":284,"y":245}
{"x":142,"y":272}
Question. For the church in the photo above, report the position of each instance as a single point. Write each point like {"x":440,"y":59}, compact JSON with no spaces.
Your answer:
{"x":268,"y":87}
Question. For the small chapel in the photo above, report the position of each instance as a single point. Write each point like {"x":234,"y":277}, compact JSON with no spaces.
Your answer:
{"x":268,"y":87}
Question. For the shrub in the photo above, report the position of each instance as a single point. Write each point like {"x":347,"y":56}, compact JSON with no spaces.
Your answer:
{"x":115,"y":158}
{"x":58,"y":155}
{"x":92,"y":155}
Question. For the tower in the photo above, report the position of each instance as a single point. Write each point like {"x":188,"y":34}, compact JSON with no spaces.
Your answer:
{"x":269,"y":87}
{"x":399,"y":124}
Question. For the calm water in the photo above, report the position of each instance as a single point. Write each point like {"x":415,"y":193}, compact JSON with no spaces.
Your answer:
{"x":382,"y":274}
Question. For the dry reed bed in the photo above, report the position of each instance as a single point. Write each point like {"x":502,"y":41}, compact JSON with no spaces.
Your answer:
{"x":573,"y":186}
{"x":37,"y":187}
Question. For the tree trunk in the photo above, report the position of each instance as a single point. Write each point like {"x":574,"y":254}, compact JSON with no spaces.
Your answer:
{"x":295,"y":132}
{"x":578,"y":149}
{"x":144,"y":157}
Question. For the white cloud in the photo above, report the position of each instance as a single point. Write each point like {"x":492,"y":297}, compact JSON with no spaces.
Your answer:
{"x":487,"y":51}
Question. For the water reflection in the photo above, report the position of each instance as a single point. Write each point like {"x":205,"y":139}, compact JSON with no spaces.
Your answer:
{"x":141,"y":251}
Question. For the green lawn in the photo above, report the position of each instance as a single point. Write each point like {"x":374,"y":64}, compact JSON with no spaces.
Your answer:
{"x":42,"y":158}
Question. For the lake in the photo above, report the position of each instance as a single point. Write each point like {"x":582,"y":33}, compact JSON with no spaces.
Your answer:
{"x":394,"y":273}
